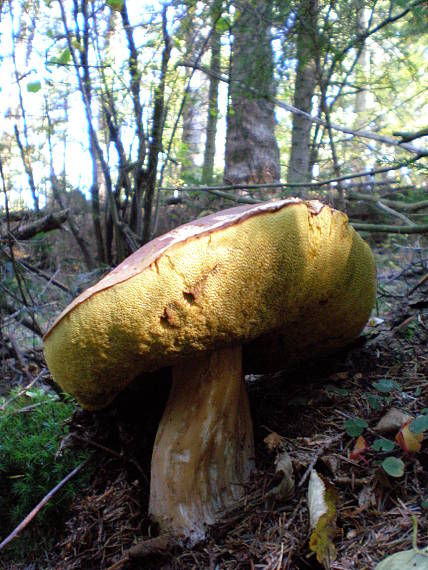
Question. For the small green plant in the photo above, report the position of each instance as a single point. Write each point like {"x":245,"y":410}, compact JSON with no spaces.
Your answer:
{"x":393,"y":466}
{"x":31,"y":429}
{"x":355,"y":426}
{"x":383,"y":444}
{"x":419,"y":424}
{"x":408,"y":435}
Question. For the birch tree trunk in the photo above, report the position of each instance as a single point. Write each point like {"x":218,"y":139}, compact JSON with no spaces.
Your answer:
{"x":252,"y":154}
{"x":299,"y":162}
{"x":191,"y":136}
{"x":211,"y":128}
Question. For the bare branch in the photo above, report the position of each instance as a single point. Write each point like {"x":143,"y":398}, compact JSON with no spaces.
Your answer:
{"x":40,"y":505}
{"x":357,"y":133}
{"x":28,"y":323}
{"x":407,"y":137}
{"x":384,"y":208}
{"x":389,"y":229}
{"x":292,"y":184}
{"x":52,"y":221}
{"x":397,"y":205}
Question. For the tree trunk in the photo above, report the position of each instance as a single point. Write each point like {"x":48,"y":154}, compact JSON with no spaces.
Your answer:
{"x":156,"y":134}
{"x":299,"y":162}
{"x":211,"y":129}
{"x":192,"y":128}
{"x":362,"y":65}
{"x":252,"y":154}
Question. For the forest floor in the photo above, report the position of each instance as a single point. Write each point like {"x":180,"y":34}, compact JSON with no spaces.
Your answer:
{"x":309,"y":411}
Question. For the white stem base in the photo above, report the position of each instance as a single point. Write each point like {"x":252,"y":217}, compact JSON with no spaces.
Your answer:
{"x":204,"y":448}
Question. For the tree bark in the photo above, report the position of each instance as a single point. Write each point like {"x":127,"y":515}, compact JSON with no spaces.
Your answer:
{"x":192,"y":128}
{"x":299,"y":162}
{"x":156,"y":134}
{"x":252,"y":154}
{"x":52,"y":221}
{"x":211,"y":129}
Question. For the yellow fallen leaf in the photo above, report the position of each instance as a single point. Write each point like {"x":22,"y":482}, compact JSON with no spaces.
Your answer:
{"x":322,"y":499}
{"x":359,"y":448}
{"x":408,"y":441}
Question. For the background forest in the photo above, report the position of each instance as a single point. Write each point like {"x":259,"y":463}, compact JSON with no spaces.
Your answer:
{"x":121,"y":120}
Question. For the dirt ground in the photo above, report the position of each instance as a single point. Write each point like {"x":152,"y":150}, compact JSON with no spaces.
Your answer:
{"x":308,"y":409}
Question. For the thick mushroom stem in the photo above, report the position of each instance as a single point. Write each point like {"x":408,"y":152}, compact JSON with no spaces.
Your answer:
{"x":204,"y":450}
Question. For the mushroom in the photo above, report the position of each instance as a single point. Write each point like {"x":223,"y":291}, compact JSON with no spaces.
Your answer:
{"x":290,"y":277}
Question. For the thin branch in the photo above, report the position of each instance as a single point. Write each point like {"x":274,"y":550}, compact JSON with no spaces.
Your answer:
{"x":29,"y":323}
{"x":408,"y":137}
{"x":21,"y":392}
{"x":370,"y":32}
{"x":52,"y":221}
{"x":40,"y":505}
{"x":357,"y":133}
{"x":23,"y":289}
{"x":405,"y":206}
{"x":388,"y":229}
{"x":384,"y":208}
{"x":318,"y":184}
{"x":49,"y":278}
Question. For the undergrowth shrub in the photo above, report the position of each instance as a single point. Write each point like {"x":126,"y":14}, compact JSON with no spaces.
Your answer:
{"x":31,"y":429}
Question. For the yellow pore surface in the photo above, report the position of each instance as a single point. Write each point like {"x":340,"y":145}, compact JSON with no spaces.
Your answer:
{"x":310,"y":275}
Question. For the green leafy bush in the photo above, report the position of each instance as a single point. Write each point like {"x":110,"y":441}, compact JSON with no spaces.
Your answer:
{"x":31,"y":429}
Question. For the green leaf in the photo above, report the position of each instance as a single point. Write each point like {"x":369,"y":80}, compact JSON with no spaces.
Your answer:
{"x":383,"y":444}
{"x":405,"y":560}
{"x":34,"y":87}
{"x":375,"y":401}
{"x":393,"y":466}
{"x":385,"y":386}
{"x":115,"y":4}
{"x":355,"y":426}
{"x":222,"y":25}
{"x":63,"y":59}
{"x":419,"y":424}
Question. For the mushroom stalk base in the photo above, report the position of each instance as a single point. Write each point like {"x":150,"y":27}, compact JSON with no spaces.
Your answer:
{"x":204,"y":450}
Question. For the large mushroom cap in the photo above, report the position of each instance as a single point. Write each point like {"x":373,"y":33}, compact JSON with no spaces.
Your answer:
{"x":291,"y":276}
{"x":293,"y":267}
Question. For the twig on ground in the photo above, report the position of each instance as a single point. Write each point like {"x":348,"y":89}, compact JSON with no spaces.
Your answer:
{"x":421,"y":281}
{"x":40,"y":505}
{"x":321,"y":450}
{"x":22,"y":392}
{"x":116,"y":454}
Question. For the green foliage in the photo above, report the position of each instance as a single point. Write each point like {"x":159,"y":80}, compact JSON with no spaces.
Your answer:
{"x":386,"y":386}
{"x":32,"y":427}
{"x":115,"y":4}
{"x":63,"y":58}
{"x":375,"y":401}
{"x":34,"y":87}
{"x":419,"y":424}
{"x":223,"y":25}
{"x":355,"y":426}
{"x":383,"y":444}
{"x":393,"y":466}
